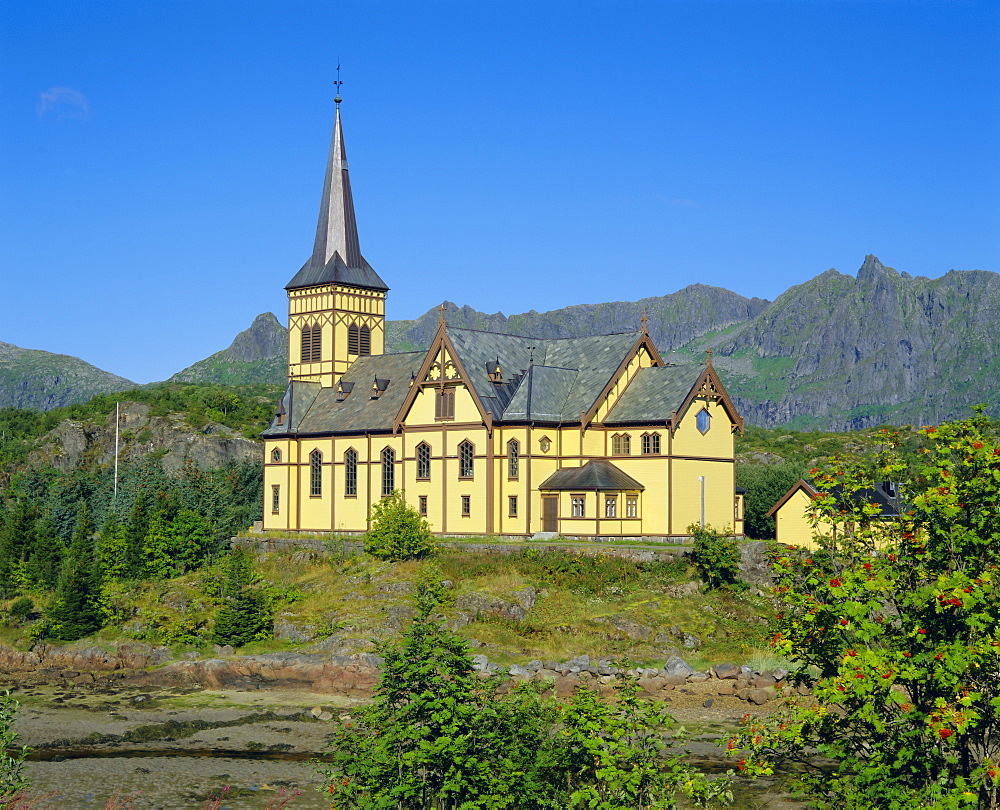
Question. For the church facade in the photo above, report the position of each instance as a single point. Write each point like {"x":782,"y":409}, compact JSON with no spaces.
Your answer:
{"x":484,"y":433}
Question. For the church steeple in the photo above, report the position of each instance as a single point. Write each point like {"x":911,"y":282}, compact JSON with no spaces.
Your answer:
{"x":336,"y":256}
{"x":337,"y":229}
{"x":336,"y":302}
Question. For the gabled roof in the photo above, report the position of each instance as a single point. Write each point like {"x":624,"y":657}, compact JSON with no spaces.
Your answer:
{"x":319,"y":410}
{"x":885,"y":494}
{"x":336,"y":256}
{"x":653,"y":394}
{"x":595,"y":475}
{"x":566,"y":376}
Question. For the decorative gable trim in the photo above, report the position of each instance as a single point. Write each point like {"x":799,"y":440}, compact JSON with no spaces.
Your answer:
{"x":441,"y":342}
{"x":644,"y":340}
{"x":708,"y":386}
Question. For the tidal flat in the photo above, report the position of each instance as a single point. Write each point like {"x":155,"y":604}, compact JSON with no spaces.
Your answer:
{"x":176,"y":748}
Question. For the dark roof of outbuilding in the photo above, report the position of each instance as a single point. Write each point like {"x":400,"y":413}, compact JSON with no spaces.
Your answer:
{"x":653,"y":394}
{"x":885,"y":494}
{"x":336,"y":271}
{"x":596,"y":474}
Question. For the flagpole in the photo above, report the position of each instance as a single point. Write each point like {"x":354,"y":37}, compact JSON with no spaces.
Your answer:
{"x":117,"y":422}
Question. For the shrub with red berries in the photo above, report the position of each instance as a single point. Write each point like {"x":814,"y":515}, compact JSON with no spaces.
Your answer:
{"x":893,"y":622}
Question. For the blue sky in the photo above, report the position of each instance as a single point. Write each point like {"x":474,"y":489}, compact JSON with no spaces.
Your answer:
{"x":161,"y":163}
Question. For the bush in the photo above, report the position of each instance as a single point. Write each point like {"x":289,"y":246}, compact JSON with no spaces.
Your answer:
{"x":397,"y":532}
{"x":717,"y":557}
{"x":245,"y":614}
{"x":898,"y":620}
{"x":22,"y":609}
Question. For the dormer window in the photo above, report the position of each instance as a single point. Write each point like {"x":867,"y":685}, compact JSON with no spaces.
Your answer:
{"x":343,"y":389}
{"x":378,"y":387}
{"x":703,"y":421}
{"x":495,"y":371}
{"x":279,"y":416}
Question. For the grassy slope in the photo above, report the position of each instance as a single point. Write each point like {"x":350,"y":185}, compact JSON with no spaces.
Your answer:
{"x":353,"y":597}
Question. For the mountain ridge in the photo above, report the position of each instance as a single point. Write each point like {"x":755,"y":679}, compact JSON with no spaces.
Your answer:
{"x":834,"y":352}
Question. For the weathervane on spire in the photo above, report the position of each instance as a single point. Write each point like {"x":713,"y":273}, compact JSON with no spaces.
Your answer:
{"x":337,"y":99}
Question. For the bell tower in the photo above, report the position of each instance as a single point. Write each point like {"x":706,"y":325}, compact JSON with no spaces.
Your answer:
{"x":336,"y":302}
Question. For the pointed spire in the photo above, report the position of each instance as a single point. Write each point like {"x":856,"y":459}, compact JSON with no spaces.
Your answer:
{"x":337,"y":229}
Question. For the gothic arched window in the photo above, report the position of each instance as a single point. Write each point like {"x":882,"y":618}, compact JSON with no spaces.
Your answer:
{"x":351,"y":472}
{"x":423,"y":460}
{"x":465,"y":455}
{"x":513,"y":458}
{"x":315,"y":473}
{"x":365,"y":341}
{"x":388,"y":471}
{"x":353,"y":339}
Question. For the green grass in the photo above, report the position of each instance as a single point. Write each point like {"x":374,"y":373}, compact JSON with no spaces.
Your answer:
{"x":356,"y":597}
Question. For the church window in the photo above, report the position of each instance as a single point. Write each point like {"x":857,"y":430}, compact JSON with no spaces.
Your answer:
{"x":466,"y":505}
{"x":610,"y":506}
{"x":315,"y":473}
{"x":353,"y":339}
{"x":422,"y":505}
{"x":351,"y":473}
{"x":512,"y":505}
{"x":307,"y":336}
{"x":703,"y":421}
{"x":275,"y":498}
{"x":621,"y":444}
{"x":388,"y":471}
{"x":465,"y":456}
{"x":365,"y":341}
{"x":579,"y":508}
{"x":545,"y":444}
{"x":513,"y":458}
{"x":276,"y":454}
{"x":423,"y":460}
{"x":631,"y":506}
{"x":317,"y":343}
{"x":444,"y":404}
{"x":650,"y":444}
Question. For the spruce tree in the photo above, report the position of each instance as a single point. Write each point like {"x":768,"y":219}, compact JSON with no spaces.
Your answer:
{"x":245,"y":614}
{"x":113,"y":549}
{"x":46,"y":558}
{"x":75,"y":611}
{"x":135,"y":536}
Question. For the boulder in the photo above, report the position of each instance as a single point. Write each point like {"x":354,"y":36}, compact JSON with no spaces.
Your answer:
{"x":677,"y":666}
{"x":726,"y":672}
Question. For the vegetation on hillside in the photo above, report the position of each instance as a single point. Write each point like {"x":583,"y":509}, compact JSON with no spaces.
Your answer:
{"x":436,"y":736}
{"x":899,"y":621}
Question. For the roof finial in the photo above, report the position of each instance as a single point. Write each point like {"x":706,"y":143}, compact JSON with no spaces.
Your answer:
{"x":708,"y":358}
{"x":644,"y":320}
{"x":337,"y":84}
{"x":441,"y":314}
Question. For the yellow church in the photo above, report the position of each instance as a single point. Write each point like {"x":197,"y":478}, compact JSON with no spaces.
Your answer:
{"x":484,"y":433}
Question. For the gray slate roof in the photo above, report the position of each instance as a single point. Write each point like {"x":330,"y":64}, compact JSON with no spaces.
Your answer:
{"x":567,"y":376}
{"x":653,"y":394}
{"x":336,"y":271}
{"x":322,"y":413}
{"x":597,"y":475}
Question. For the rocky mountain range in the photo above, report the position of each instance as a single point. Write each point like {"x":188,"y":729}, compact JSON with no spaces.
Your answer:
{"x":837,"y":352}
{"x":31,"y":378}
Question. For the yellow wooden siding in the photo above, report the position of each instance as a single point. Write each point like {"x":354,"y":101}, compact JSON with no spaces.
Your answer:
{"x":791,"y":521}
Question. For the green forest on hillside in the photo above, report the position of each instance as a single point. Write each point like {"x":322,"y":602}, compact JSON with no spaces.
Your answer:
{"x":162,"y":530}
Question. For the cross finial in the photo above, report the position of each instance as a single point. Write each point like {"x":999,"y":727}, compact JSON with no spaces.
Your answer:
{"x":708,"y":357}
{"x":644,"y":320}
{"x":337,"y":84}
{"x":441,"y":314}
